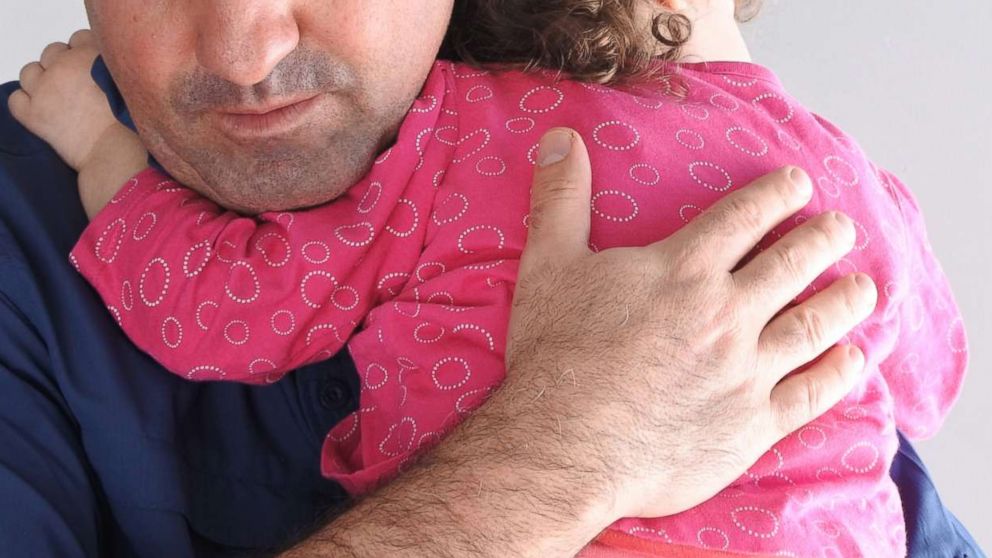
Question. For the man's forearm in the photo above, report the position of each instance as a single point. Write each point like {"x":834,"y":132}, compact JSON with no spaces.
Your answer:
{"x":497,"y":486}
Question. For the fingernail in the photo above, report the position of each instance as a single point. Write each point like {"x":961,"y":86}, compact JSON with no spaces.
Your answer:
{"x":555,"y":147}
{"x":847,"y":225}
{"x":864,"y":283}
{"x":800,"y":180}
{"x":855,"y":353}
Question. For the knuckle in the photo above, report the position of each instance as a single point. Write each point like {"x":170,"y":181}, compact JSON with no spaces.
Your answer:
{"x":801,"y":407}
{"x":552,"y":189}
{"x":52,"y":51}
{"x":730,"y":321}
{"x":809,"y":327}
{"x":548,"y":194}
{"x":791,"y":259}
{"x":715,"y":223}
{"x":790,"y":416}
{"x":813,"y":401}
{"x":745,"y":211}
{"x":554,"y":185}
{"x":689,"y":261}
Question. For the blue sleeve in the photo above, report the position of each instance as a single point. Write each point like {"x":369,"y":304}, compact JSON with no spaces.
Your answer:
{"x":932,"y":531}
{"x":49,"y":506}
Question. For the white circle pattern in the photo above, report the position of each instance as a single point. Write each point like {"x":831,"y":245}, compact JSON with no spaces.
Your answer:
{"x":232,"y":339}
{"x":545,"y":109}
{"x":138,"y":234}
{"x":598,"y":131}
{"x":736,"y":131}
{"x":636,"y":177}
{"x":286,"y":330}
{"x":259,"y":246}
{"x":118,"y":226}
{"x":705,"y":164}
{"x":690,"y":139}
{"x":307,"y":248}
{"x":165,"y":286}
{"x":177,"y":339}
{"x":634,"y":209}
{"x":256,"y":285}
{"x":450,"y":386}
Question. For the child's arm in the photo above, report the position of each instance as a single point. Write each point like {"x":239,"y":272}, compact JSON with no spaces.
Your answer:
{"x":59,"y":102}
{"x":425,"y":360}
{"x":117,"y":156}
{"x":208,"y":293}
{"x":213,"y":295}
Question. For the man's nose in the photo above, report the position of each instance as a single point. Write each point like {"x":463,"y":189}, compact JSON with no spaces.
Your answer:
{"x":243,"y":40}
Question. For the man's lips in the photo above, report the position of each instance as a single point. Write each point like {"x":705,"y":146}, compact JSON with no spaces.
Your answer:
{"x":266,"y":120}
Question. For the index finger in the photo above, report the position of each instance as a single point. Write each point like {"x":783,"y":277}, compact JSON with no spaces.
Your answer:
{"x":733,"y":226}
{"x":82,"y":37}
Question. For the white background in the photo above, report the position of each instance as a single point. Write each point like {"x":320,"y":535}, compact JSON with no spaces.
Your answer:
{"x":910,"y":79}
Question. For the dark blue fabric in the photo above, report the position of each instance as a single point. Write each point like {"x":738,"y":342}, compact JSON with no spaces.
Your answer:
{"x":931,"y":529}
{"x":103,"y":453}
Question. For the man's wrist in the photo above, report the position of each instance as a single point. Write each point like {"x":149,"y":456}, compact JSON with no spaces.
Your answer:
{"x":542,"y":495}
{"x":501,"y":484}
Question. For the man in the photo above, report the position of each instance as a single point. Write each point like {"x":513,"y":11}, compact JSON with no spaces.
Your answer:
{"x":105,"y":455}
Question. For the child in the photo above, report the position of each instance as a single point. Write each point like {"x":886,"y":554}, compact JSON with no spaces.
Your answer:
{"x":413,"y":271}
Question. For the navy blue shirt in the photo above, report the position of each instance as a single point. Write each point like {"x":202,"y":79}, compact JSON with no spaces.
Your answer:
{"x":103,"y":453}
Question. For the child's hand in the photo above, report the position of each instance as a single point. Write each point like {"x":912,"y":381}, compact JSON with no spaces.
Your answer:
{"x":59,"y":101}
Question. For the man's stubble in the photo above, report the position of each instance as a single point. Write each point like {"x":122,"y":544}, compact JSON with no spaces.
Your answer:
{"x":318,"y":163}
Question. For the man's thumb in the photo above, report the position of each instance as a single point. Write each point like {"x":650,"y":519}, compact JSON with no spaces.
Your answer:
{"x":560,"y":198}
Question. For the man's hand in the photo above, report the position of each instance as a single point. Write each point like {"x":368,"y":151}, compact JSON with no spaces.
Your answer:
{"x":664,"y":368}
{"x":640,"y":381}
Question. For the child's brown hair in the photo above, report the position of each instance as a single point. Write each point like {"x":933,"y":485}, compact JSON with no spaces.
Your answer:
{"x":598,"y":41}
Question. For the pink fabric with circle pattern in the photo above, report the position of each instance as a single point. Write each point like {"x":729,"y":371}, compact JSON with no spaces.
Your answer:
{"x":413,"y":270}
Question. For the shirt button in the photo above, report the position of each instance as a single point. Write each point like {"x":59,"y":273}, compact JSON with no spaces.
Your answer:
{"x":334,"y":395}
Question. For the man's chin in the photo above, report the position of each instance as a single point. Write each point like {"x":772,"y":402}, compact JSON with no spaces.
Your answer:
{"x":279,"y":185}
{"x":274,"y":174}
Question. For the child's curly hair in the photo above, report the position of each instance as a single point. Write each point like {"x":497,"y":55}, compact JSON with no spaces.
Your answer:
{"x":597,"y":41}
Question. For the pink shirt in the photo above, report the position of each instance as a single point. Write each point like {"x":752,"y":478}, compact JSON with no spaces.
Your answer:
{"x":413,"y":270}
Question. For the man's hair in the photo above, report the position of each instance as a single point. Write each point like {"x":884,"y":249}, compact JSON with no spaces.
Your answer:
{"x":597,"y":41}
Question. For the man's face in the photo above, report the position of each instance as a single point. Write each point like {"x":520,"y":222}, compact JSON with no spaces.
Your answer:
{"x":202,"y":77}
